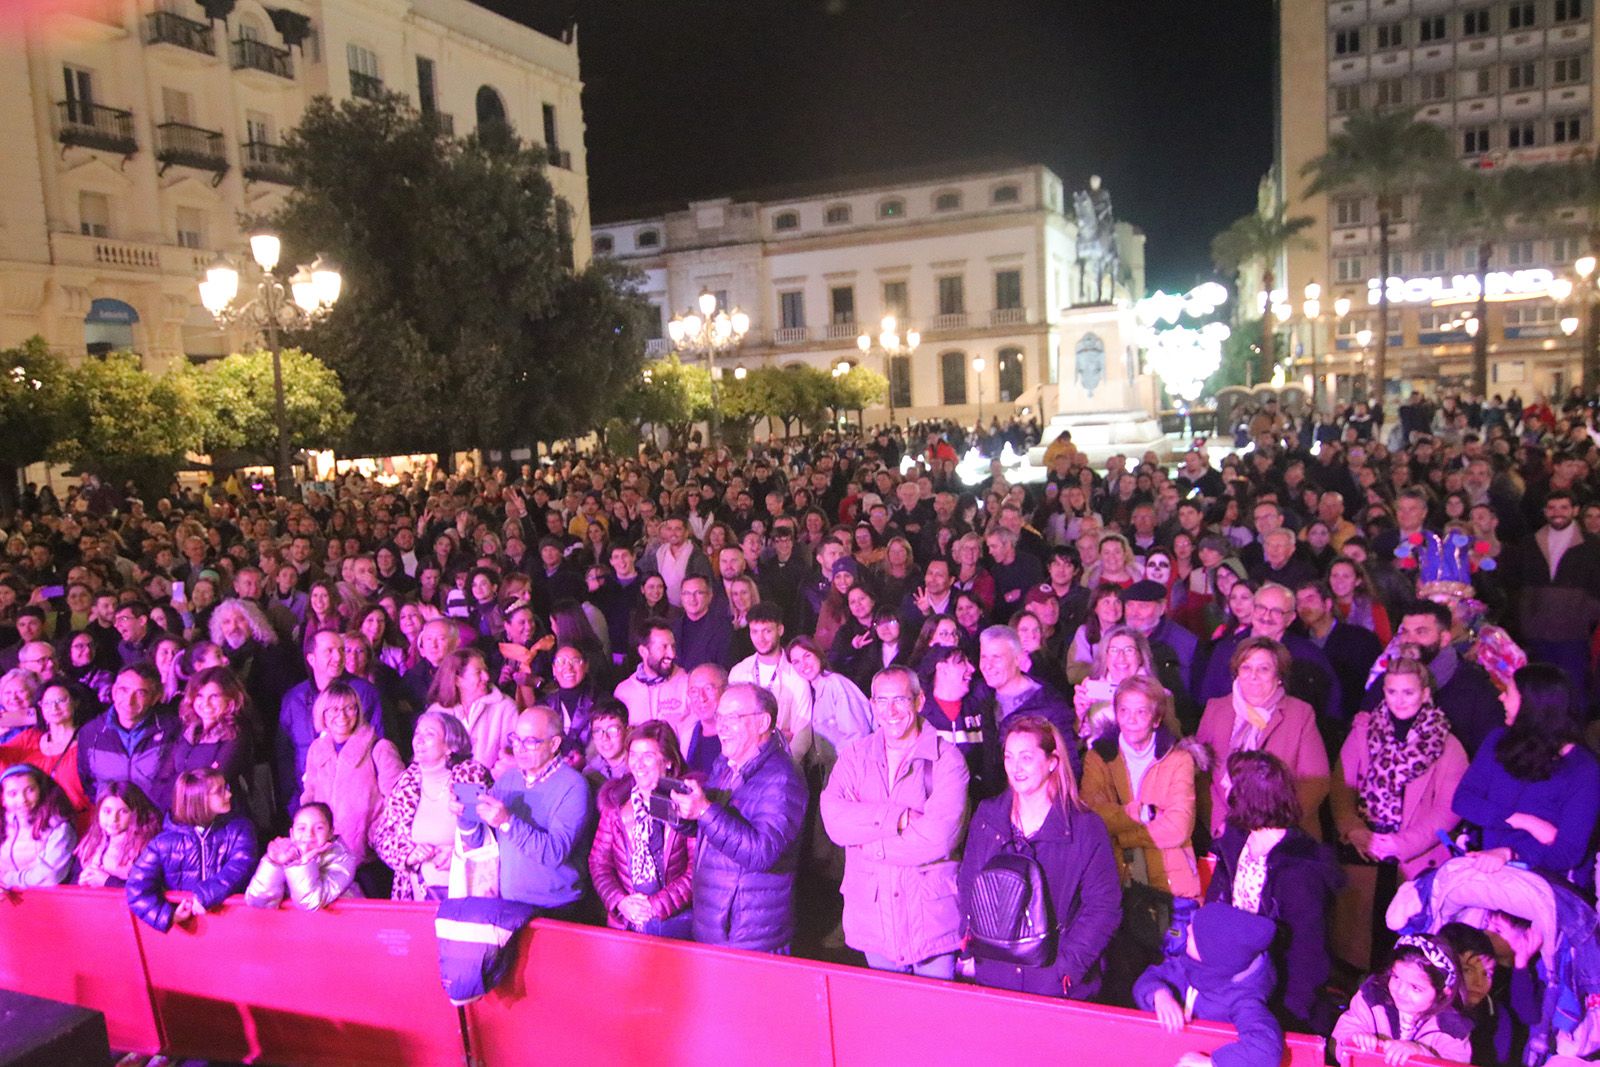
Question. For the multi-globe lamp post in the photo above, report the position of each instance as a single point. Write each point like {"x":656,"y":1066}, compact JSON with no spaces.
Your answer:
{"x":1313,"y":312}
{"x":892,"y":343}
{"x":706,"y":331}
{"x":277,"y":304}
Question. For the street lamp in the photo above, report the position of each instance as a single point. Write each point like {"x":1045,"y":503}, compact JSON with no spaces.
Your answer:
{"x":277,"y":304}
{"x":1312,"y":309}
{"x":892,"y":344}
{"x":1589,"y":363}
{"x":977,"y":365}
{"x":703,"y":330}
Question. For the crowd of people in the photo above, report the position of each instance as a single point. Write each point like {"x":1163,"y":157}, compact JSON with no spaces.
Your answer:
{"x":1234,"y":740}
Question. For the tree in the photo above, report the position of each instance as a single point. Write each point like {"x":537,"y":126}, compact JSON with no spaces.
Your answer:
{"x":32,"y":394}
{"x":1240,"y":353}
{"x":460,"y":312}
{"x":581,"y":357}
{"x":234,"y":401}
{"x":1260,"y":238}
{"x":669,"y":394}
{"x":1384,"y":155}
{"x":1482,"y":209}
{"x":790,"y":395}
{"x":860,"y":389}
{"x":125,"y":424}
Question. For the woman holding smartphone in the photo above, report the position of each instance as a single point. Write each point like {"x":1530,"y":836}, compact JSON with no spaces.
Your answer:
{"x":416,"y":829}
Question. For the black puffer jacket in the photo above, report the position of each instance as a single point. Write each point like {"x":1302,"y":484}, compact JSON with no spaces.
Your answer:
{"x":749,"y":847}
{"x":212,"y":862}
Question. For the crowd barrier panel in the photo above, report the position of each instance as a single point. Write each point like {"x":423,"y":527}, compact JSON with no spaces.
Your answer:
{"x":630,"y":999}
{"x":79,"y":945}
{"x":1375,"y":1059}
{"x":358,"y":984}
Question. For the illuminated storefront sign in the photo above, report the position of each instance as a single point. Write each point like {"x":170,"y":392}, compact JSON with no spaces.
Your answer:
{"x":1462,"y":288}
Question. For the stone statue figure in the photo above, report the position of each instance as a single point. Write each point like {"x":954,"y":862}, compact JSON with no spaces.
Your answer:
{"x":1099,"y":265}
{"x":1091,"y":362}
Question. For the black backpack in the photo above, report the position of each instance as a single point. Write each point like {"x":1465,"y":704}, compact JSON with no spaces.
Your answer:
{"x":1009,"y":917}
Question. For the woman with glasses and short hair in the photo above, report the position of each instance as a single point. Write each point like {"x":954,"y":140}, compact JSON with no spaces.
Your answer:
{"x":643,"y":865}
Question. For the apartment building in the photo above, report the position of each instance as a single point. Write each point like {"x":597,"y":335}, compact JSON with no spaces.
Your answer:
{"x":980,"y":260}
{"x":1513,"y":83}
{"x":138,"y":133}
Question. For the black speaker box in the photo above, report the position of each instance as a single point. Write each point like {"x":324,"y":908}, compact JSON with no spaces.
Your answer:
{"x":35,"y":1032}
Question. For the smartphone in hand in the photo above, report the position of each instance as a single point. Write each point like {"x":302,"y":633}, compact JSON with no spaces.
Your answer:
{"x":467,"y":794}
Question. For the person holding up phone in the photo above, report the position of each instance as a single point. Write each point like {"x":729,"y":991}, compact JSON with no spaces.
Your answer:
{"x":642,"y":862}
{"x":541,"y":815}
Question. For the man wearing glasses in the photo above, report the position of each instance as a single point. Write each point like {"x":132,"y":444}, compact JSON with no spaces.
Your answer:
{"x":1312,"y":678}
{"x":896,"y":803}
{"x":748,"y":820}
{"x":542,"y":816}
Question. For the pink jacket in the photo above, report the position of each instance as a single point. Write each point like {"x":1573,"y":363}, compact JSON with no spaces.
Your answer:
{"x":900,"y":897}
{"x":1291,"y":735}
{"x":489,"y":721}
{"x":1425,"y":810}
{"x":353,"y":781}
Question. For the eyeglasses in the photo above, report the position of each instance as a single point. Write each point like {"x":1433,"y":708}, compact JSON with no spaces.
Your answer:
{"x":1271,"y":612}
{"x":528,"y":744}
{"x":607,"y":731}
{"x":895,"y":700}
{"x":730,"y":720}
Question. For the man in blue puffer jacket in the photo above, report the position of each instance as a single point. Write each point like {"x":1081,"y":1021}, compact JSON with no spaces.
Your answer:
{"x":749,"y":829}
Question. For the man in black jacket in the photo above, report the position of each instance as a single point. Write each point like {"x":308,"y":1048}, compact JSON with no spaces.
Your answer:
{"x":1462,"y":690}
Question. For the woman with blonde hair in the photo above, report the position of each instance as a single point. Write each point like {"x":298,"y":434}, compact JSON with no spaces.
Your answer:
{"x":1040,"y":817}
{"x":461,"y":687}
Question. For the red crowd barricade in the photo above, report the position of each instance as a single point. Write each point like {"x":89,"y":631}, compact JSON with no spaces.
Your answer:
{"x":78,"y":945}
{"x":584,"y":995}
{"x":1375,"y":1059}
{"x":358,"y":984}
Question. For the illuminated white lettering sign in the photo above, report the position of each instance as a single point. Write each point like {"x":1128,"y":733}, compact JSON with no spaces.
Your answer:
{"x":1461,"y":288}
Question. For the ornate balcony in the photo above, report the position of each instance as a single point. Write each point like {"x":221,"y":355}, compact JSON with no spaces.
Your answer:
{"x":265,"y":163}
{"x":92,"y":126}
{"x":165,"y":28}
{"x":258,"y":56}
{"x":1008,"y":317}
{"x":841,"y":331}
{"x":791,"y":335}
{"x":365,"y":86}
{"x":181,"y":145}
{"x":953,"y":321}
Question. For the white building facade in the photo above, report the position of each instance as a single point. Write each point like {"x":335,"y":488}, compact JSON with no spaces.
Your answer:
{"x":138,"y":132}
{"x":981,"y":262}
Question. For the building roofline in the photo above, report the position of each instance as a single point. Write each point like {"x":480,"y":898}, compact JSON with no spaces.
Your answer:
{"x":841,"y":185}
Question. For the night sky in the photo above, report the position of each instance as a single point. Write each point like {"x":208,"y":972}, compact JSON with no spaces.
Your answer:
{"x":1171,"y":103}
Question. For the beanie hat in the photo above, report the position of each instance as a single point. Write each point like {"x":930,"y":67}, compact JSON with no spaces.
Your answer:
{"x":1229,"y":939}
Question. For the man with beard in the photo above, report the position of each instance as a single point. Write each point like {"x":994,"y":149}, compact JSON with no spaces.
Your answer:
{"x":769,"y":668}
{"x":265,"y":666}
{"x":1462,"y":690}
{"x":1555,"y":576}
{"x":659,"y":688}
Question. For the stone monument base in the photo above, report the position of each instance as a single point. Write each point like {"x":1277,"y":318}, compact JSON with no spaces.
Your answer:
{"x":1100,"y":435}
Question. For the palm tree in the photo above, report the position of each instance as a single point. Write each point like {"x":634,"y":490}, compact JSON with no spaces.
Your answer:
{"x":1482,"y":209}
{"x":1385,"y":155}
{"x":1261,"y":237}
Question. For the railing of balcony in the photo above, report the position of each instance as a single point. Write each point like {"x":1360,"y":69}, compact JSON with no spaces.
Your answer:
{"x":190,"y":146}
{"x":365,"y":86}
{"x":558,"y":157}
{"x":163,"y":27}
{"x":1008,"y":316}
{"x":954,"y":321}
{"x":791,"y":335}
{"x":94,"y":126}
{"x":265,"y":162}
{"x":251,"y":54}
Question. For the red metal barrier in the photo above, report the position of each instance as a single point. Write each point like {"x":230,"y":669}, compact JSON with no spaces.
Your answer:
{"x":355,"y":984}
{"x":584,"y":995}
{"x":358,"y":984}
{"x":1375,"y":1059}
{"x":78,"y":945}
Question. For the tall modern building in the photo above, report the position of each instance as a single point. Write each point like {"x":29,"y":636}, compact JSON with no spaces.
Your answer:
{"x":981,"y":260}
{"x":138,"y":133}
{"x":1512,"y":81}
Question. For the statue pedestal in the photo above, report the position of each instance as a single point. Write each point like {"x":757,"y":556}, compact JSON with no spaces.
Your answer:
{"x":1106,"y":403}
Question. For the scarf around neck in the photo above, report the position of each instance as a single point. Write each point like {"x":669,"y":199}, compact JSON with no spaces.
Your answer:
{"x":1392,"y":763}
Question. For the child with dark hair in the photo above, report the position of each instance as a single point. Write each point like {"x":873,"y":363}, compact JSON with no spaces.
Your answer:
{"x":1224,"y":975}
{"x":1475,"y":952}
{"x":36,"y":834}
{"x":1410,"y":1009}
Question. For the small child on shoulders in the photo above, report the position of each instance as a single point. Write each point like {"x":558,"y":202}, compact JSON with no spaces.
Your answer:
{"x":1226,"y":976}
{"x":311,"y":867}
{"x":1410,"y":1009}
